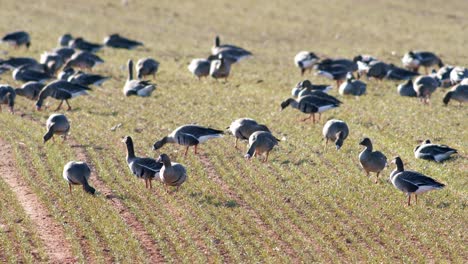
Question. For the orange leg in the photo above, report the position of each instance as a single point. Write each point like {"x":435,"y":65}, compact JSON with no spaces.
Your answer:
{"x":59,"y":106}
{"x":409,"y":200}
{"x":235,"y":145}
{"x":266,"y":158}
{"x":186,"y":150}
{"x":69,"y":188}
{"x":196,"y":149}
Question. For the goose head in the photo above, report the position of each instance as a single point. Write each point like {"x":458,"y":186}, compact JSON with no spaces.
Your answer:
{"x":286,"y":103}
{"x":447,"y":98}
{"x":366,"y":142}
{"x":130,"y":69}
{"x":399,"y":163}
{"x":217,"y":41}
{"x":164,"y":158}
{"x":339,"y":140}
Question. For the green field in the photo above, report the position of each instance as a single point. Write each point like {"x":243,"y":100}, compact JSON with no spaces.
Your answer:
{"x":304,"y":205}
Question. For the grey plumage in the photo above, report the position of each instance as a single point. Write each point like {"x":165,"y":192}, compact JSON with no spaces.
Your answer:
{"x":119,"y":42}
{"x":261,"y":142}
{"x":406,"y":89}
{"x":17,"y":38}
{"x":137,"y":87}
{"x":64,"y":40}
{"x":352,"y":86}
{"x":242,"y":128}
{"x":399,"y":74}
{"x":78,"y":173}
{"x":30,"y":90}
{"x":424,"y":86}
{"x":200,"y":67}
{"x":147,"y":66}
{"x":231,"y":52}
{"x":444,"y":75}
{"x":305,"y":60}
{"x":16,"y":62}
{"x":335,"y":130}
{"x":436,"y":152}
{"x":61,"y":90}
{"x":415,"y":59}
{"x":57,"y":124}
{"x":87,"y":79}
{"x":305,"y":87}
{"x":220,"y":67}
{"x":458,"y":74}
{"x":458,"y":93}
{"x":83,"y":60}
{"x":311,"y":104}
{"x":7,"y":96}
{"x":25,"y":74}
{"x":81,"y":44}
{"x":172,"y":173}
{"x":371,"y":161}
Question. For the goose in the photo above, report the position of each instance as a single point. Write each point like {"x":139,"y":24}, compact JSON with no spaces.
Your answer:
{"x":65,"y":39}
{"x":61,"y":90}
{"x":328,"y":63}
{"x":25,"y":74}
{"x":65,"y":52}
{"x":147,"y":66}
{"x":242,"y":128}
{"x":335,"y":72}
{"x":30,"y":90}
{"x":144,"y":168}
{"x":83,"y":60}
{"x":77,"y":173}
{"x":377,"y":70}
{"x":17,"y":38}
{"x":305,"y":60}
{"x":261,"y":142}
{"x":52,"y":62}
{"x":306,"y":87}
{"x":399,"y":74}
{"x":424,"y":86}
{"x":7,"y":96}
{"x":414,"y":59}
{"x":411,"y":182}
{"x":87,"y":79}
{"x":137,"y":87}
{"x":65,"y":74}
{"x":188,"y":135}
{"x":406,"y":89}
{"x":436,"y":152}
{"x":220,"y":68}
{"x":231,"y":52}
{"x":57,"y":124}
{"x":16,"y":62}
{"x":81,"y":44}
{"x":200,"y":67}
{"x":363,"y":63}
{"x":458,"y":74}
{"x":336,"y":131}
{"x":172,"y":173}
{"x":444,"y":75}
{"x":458,"y":93}
{"x":352,"y":86}
{"x":371,"y":161}
{"x":117,"y":41}
{"x":309,"y":104}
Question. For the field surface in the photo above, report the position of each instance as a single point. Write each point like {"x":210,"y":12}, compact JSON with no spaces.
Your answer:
{"x":304,"y":205}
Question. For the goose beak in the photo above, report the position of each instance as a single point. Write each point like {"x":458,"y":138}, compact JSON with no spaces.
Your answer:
{"x":38,"y":108}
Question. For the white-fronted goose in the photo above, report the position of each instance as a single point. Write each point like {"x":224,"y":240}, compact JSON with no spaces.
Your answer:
{"x":415,"y":59}
{"x":81,"y":44}
{"x":65,"y":74}
{"x":172,"y":173}
{"x":26,"y":74}
{"x":411,"y":182}
{"x":17,"y":38}
{"x":78,"y":173}
{"x":352,"y":86}
{"x":7,"y":96}
{"x":83,"y":60}
{"x":458,"y":93}
{"x":57,"y":124}
{"x":231,"y":52}
{"x":424,"y":86}
{"x":406,"y":89}
{"x":377,"y":70}
{"x":363,"y":62}
{"x":65,"y":52}
{"x":458,"y":74}
{"x":306,"y":87}
{"x":117,"y":41}
{"x":30,"y":90}
{"x":335,"y":130}
{"x":87,"y":79}
{"x":64,"y":40}
{"x":399,"y":74}
{"x":310,"y":104}
{"x":261,"y":142}
{"x":371,"y":161}
{"x":200,"y":67}
{"x":61,"y":90}
{"x":52,"y":62}
{"x":444,"y":75}
{"x":336,"y":72}
{"x":220,"y":68}
{"x":137,"y":87}
{"x":435,"y":152}
{"x":147,"y":66}
{"x":242,"y":128}
{"x":305,"y":60}
{"x":13,"y":63}
{"x":143,"y":168}
{"x":189,"y":135}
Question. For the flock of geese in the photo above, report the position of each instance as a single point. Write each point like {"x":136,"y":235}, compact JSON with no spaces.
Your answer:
{"x":67,"y":70}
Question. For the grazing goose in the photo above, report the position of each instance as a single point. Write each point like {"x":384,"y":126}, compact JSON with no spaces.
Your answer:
{"x":77,"y":173}
{"x":305,"y":60}
{"x":429,"y":151}
{"x":200,"y":67}
{"x":57,"y":124}
{"x":336,"y":131}
{"x":424,"y":86}
{"x":65,"y":52}
{"x":261,"y":142}
{"x":310,"y":104}
{"x":172,"y":173}
{"x":52,"y":62}
{"x":444,"y":75}
{"x":371,"y":161}
{"x":13,"y":63}
{"x":137,"y":87}
{"x":231,"y":52}
{"x":458,"y":74}
{"x":147,"y":66}
{"x":64,"y":40}
{"x":17,"y":38}
{"x":411,"y":182}
{"x":61,"y":90}
{"x":144,"y":168}
{"x":220,"y":68}
{"x":414,"y":59}
{"x":87,"y":79}
{"x":81,"y":44}
{"x":458,"y":93}
{"x":25,"y":74}
{"x":352,"y":86}
{"x":335,"y":72}
{"x":188,"y":135}
{"x":242,"y":128}
{"x":306,"y":87}
{"x":30,"y":90}
{"x":119,"y":42}
{"x":7,"y":96}
{"x":406,"y":89}
{"x":399,"y":74}
{"x":83,"y":60}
